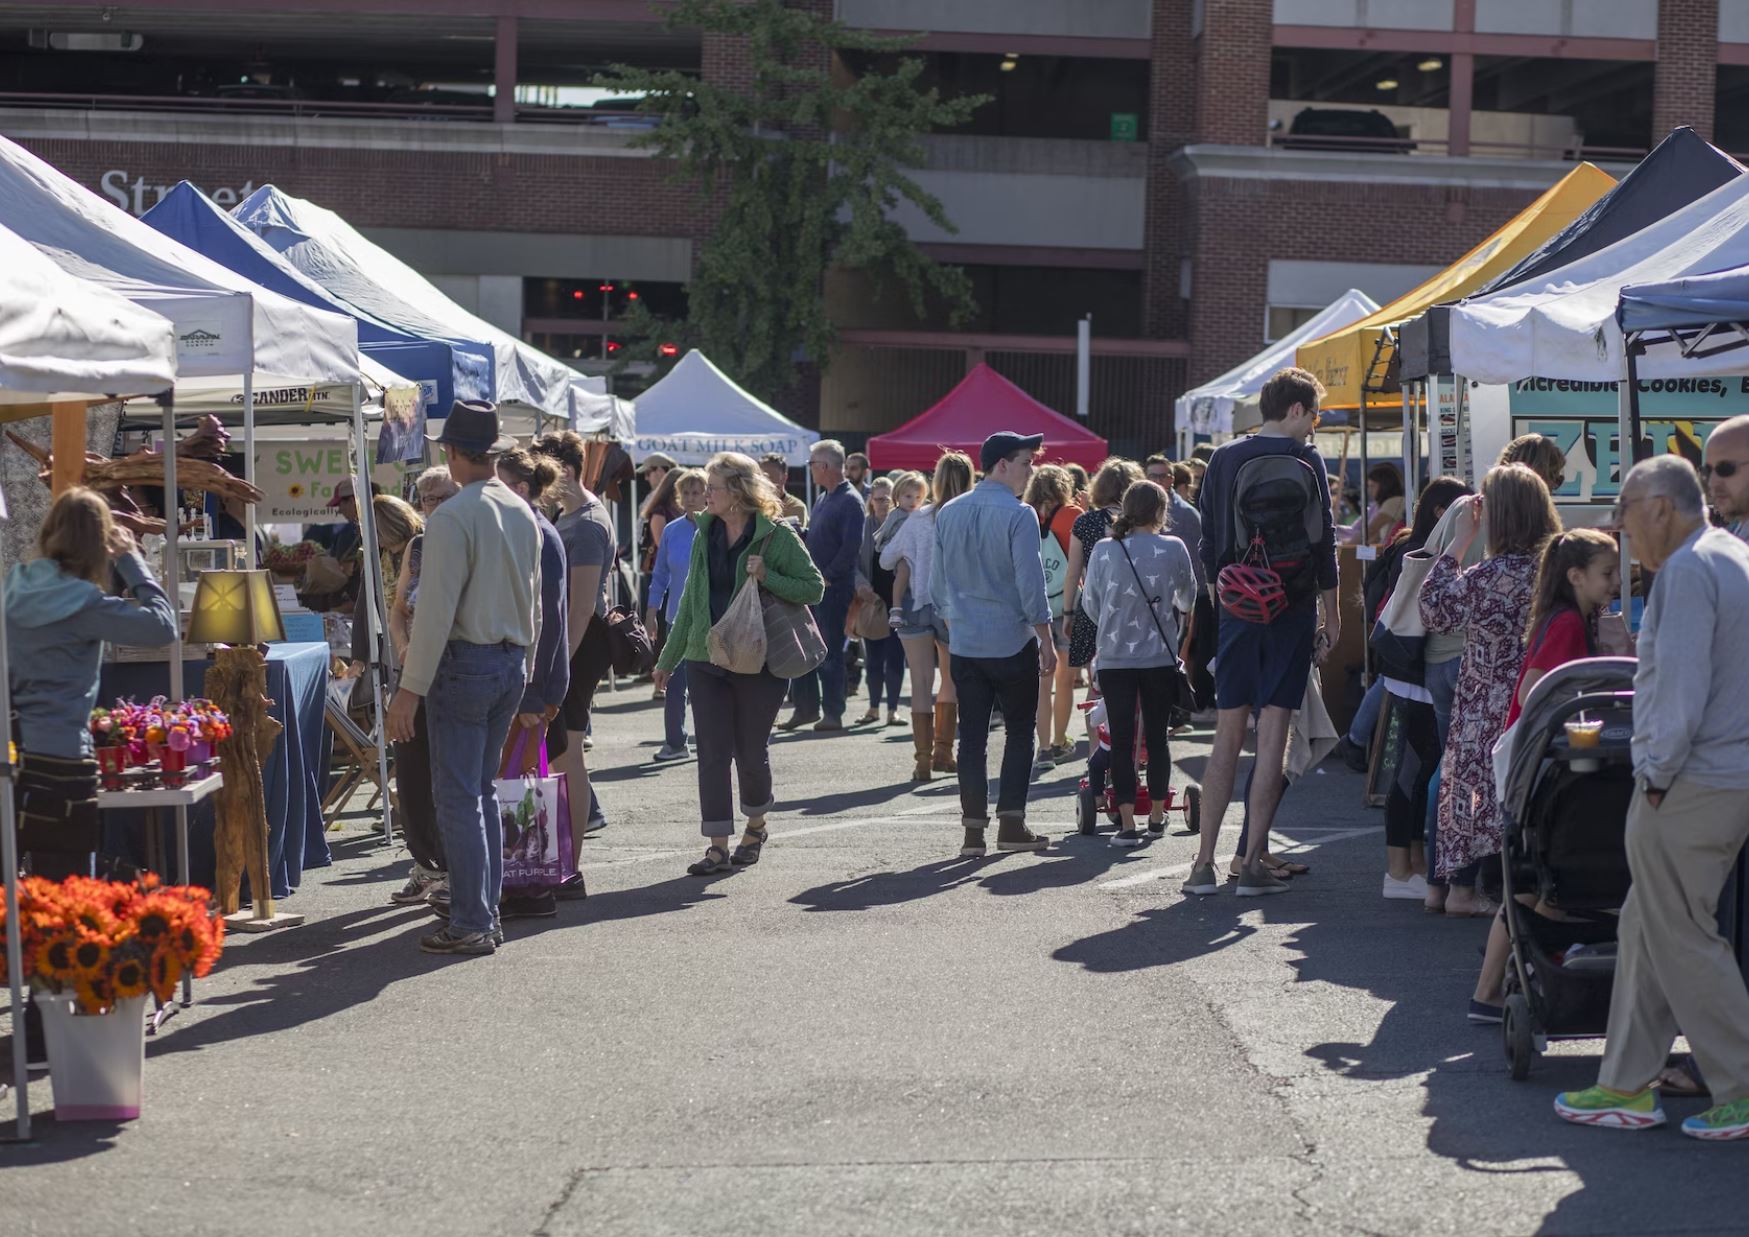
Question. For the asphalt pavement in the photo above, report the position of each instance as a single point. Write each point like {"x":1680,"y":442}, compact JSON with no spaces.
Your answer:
{"x":862,"y":1034}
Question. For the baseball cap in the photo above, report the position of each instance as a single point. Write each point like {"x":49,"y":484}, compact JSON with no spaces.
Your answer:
{"x":1001,"y":445}
{"x":342,"y":492}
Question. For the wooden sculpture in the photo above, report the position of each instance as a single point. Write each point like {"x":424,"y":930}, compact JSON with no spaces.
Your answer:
{"x":237,"y":683}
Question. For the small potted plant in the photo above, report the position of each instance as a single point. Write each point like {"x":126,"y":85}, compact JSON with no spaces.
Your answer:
{"x":109,"y":741}
{"x":93,"y":950}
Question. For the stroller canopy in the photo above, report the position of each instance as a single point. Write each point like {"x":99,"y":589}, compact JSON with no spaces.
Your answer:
{"x":1539,"y":723}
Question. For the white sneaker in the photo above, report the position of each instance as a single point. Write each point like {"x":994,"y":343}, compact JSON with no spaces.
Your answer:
{"x":1414,"y":889}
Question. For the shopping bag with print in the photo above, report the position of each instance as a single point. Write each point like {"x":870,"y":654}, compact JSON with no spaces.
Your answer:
{"x":535,"y":812}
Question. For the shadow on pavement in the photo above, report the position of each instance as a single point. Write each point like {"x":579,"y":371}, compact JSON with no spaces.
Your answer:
{"x":861,"y":893}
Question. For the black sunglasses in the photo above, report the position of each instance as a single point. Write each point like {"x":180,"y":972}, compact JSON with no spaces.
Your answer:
{"x":1724,"y":468}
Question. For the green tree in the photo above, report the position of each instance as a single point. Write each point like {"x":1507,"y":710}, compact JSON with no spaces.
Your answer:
{"x":804,"y":169}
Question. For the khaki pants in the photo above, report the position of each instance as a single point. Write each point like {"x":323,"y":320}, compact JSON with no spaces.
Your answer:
{"x":1675,"y":970}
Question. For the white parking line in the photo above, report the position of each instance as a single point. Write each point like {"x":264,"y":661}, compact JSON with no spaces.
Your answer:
{"x":1290,"y":848}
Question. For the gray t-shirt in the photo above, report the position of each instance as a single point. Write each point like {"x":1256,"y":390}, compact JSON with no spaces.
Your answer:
{"x":589,"y":542}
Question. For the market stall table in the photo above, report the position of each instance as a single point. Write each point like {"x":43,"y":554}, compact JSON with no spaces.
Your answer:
{"x":292,"y":775}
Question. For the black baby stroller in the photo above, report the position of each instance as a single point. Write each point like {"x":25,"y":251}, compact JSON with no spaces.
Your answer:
{"x":1565,"y":806}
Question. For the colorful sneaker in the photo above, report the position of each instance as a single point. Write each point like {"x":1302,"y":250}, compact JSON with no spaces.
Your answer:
{"x":1613,"y":1110}
{"x":1726,"y":1123}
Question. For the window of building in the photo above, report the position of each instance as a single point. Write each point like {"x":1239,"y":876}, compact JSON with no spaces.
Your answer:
{"x":1284,"y":320}
{"x":1731,"y":109}
{"x":1583,"y":107}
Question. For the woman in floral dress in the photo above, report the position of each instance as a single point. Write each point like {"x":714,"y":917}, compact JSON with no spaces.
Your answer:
{"x":1491,"y":603}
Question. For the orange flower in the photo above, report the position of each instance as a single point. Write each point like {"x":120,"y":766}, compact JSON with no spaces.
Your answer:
{"x":54,"y":956}
{"x":166,"y":972}
{"x":90,"y":956}
{"x":131,"y":976}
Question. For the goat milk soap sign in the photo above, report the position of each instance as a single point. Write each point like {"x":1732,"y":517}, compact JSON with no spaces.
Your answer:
{"x":299,"y":479}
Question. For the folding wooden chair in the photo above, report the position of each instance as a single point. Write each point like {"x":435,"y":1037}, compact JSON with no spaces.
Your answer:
{"x":357,"y":763}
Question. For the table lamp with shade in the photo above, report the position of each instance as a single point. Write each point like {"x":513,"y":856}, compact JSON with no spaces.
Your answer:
{"x":238,"y":608}
{"x":235,"y":607}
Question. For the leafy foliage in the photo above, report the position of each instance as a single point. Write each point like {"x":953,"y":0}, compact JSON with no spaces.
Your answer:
{"x":804,"y":167}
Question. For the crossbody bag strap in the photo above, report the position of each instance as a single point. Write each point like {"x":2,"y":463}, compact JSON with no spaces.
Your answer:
{"x":1152,"y":601}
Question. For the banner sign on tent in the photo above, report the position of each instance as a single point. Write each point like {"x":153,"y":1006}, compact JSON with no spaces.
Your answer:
{"x":1592,"y":447}
{"x":402,"y":436}
{"x":298,"y":478}
{"x":696,"y":450}
{"x":1665,"y":397}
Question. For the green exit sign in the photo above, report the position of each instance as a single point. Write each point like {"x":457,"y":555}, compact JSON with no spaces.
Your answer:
{"x":1125,"y":126}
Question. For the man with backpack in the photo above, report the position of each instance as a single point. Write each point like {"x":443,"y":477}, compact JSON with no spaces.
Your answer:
{"x":1269,"y":552}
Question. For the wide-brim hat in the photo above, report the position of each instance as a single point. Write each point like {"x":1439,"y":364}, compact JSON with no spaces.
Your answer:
{"x":656,"y":459}
{"x":472,"y":425}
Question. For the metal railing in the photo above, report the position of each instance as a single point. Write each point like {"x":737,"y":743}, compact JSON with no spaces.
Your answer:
{"x":1571,"y":152}
{"x":301,"y":108}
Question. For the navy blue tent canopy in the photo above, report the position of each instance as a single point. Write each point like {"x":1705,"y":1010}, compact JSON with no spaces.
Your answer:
{"x":449,"y":369}
{"x":1678,"y":304}
{"x":1683,"y":168}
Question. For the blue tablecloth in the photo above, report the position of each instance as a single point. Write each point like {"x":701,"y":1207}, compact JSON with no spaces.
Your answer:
{"x":293,"y":774}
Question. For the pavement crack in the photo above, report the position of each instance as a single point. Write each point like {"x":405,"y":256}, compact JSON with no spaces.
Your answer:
{"x":544,"y":1228}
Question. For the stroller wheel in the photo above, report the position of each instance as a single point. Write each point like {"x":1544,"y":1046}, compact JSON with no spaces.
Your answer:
{"x":1519,"y":1036}
{"x":1193,"y":808}
{"x":1084,"y":811}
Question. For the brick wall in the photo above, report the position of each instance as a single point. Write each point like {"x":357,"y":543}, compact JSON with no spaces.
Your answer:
{"x":1172,"y":109}
{"x":1239,"y":225}
{"x":1685,"y":77}
{"x":1232,"y":72}
{"x":415,"y":189}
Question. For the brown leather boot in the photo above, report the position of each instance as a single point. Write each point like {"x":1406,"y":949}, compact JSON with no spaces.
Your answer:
{"x":922,"y":743}
{"x":947,"y":730}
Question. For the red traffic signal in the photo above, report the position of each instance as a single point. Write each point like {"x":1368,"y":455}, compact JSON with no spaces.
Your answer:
{"x":613,"y":345}
{"x":577,"y":295}
{"x":667,"y":349}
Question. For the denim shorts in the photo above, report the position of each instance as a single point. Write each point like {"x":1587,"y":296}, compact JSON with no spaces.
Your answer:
{"x":920,"y":621}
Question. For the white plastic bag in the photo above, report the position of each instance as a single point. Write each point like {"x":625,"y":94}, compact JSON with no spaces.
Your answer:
{"x":737,"y":640}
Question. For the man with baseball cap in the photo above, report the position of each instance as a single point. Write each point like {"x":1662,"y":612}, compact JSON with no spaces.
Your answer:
{"x":474,"y":634}
{"x":988,"y":582}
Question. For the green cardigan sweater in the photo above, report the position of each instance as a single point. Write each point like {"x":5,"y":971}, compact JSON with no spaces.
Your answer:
{"x":789,"y":574}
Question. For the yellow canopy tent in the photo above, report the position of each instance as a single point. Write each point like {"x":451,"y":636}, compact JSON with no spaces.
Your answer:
{"x":1356,"y":358}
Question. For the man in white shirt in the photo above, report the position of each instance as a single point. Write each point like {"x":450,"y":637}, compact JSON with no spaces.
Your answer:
{"x":474,"y":635}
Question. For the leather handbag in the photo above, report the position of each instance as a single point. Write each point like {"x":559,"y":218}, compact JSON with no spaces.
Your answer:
{"x":867,"y":620}
{"x":793,"y":644}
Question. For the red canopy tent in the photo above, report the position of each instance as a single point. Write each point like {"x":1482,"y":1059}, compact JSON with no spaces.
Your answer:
{"x":982,"y":404}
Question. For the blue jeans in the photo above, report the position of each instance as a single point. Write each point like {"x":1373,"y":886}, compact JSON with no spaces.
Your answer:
{"x":884,"y":661}
{"x":1442,"y":686}
{"x":824,"y":689}
{"x":468,"y":712}
{"x":674,"y":709}
{"x":1366,"y":718}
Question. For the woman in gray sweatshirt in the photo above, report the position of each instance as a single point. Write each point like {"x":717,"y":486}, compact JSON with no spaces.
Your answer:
{"x":58,"y":617}
{"x":1138,"y":582}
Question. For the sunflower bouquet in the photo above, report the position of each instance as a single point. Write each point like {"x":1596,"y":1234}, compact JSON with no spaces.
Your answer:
{"x":105,"y":941}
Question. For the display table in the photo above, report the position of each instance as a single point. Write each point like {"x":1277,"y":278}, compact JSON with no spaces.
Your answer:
{"x":292,"y":775}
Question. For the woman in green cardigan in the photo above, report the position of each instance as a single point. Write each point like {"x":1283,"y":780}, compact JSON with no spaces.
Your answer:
{"x":733,"y":714}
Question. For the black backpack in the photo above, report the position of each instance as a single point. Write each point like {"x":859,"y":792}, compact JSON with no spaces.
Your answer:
{"x":1278,"y":520}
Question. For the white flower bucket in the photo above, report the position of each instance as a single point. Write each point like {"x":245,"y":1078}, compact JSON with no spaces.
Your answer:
{"x":96,"y":1061}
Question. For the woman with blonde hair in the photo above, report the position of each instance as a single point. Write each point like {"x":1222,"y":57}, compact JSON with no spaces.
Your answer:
{"x":1491,"y":603}
{"x":59,"y":615}
{"x":741,"y":537}
{"x":911,"y":555}
{"x":1051,"y":494}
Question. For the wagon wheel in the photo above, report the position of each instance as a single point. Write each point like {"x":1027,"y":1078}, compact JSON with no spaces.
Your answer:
{"x":1193,"y":808}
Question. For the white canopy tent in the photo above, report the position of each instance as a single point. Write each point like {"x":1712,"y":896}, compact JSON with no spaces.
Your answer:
{"x":61,"y":339}
{"x":226,"y":327}
{"x":697,"y":411}
{"x":363,"y":274}
{"x":1563,"y":325}
{"x":1228,"y":404}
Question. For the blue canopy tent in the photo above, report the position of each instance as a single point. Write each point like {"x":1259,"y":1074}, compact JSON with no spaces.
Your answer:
{"x":446,"y":368}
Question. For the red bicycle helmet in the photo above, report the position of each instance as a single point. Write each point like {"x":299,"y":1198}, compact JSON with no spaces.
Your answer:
{"x":1251,"y":593}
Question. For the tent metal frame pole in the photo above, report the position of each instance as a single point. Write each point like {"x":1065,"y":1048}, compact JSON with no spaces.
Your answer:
{"x":1627,"y":406}
{"x":9,"y":853}
{"x":249,"y":455}
{"x":173,"y":586}
{"x":1365,"y":521}
{"x":372,"y":583}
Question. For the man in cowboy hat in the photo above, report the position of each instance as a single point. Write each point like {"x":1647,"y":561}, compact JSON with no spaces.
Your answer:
{"x":474,"y":634}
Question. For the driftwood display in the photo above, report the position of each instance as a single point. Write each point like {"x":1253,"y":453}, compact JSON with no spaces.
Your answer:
{"x":147,"y":468}
{"x":237,"y":683}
